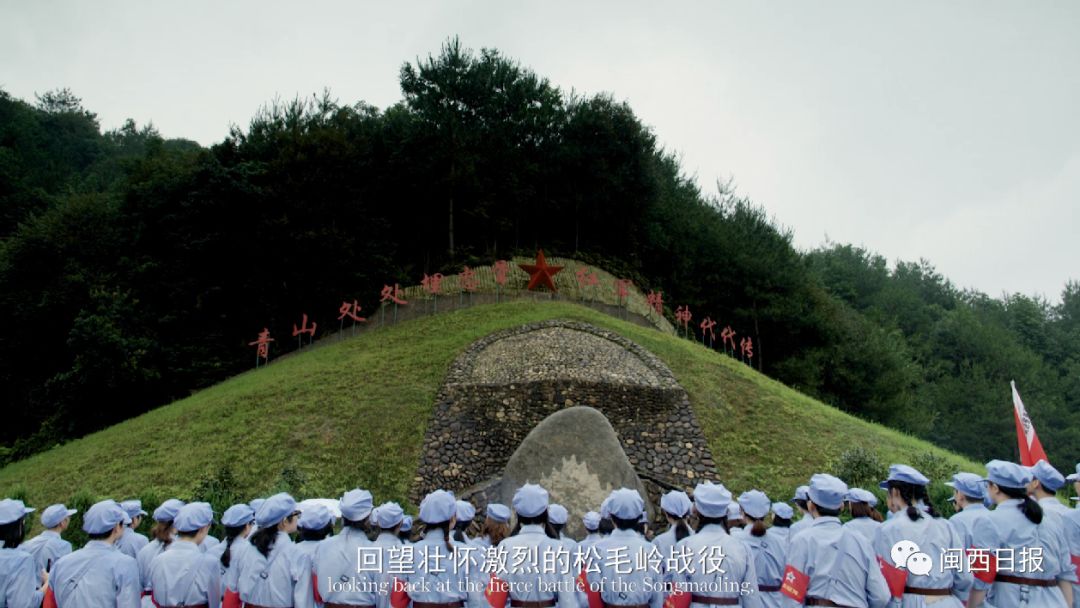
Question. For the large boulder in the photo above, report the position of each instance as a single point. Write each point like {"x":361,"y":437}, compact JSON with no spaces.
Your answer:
{"x":576,"y":455}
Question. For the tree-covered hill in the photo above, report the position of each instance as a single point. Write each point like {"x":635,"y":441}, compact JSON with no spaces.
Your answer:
{"x":135,"y":269}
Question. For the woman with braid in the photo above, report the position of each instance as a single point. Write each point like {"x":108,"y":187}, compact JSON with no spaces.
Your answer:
{"x":917,"y":538}
{"x":768,"y":548}
{"x":270,"y":572}
{"x":676,"y":507}
{"x":239,"y":521}
{"x":1024,"y":531}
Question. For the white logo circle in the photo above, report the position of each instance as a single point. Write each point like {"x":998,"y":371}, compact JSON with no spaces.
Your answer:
{"x":919,"y":563}
{"x":901,"y":551}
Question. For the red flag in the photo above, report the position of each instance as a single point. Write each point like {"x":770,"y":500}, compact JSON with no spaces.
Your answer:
{"x":895,"y":577}
{"x":50,"y":599}
{"x":496,"y":593}
{"x":1031,"y":451}
{"x":795,"y":584}
{"x":232,"y":599}
{"x":595,"y":601}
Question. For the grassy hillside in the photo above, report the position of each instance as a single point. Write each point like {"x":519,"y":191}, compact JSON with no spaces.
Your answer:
{"x":354,"y":413}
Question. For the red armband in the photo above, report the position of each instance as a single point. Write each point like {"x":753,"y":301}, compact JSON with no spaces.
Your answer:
{"x":496,"y":593}
{"x":795,"y":584}
{"x":399,"y":596}
{"x":983,"y":564}
{"x":677,"y":599}
{"x":895,"y":578}
{"x":593,"y":595}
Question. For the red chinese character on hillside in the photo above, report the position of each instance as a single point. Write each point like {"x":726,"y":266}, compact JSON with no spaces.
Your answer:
{"x":727,"y":334}
{"x":622,"y":288}
{"x":655,"y":300}
{"x":682,"y":315}
{"x":707,"y":325}
{"x":392,"y":294}
{"x":304,"y":329}
{"x":586,"y":278}
{"x":350,"y":310}
{"x":432,"y":284}
{"x":502,"y":269}
{"x":747,"y":346}
{"x":263,"y":344}
{"x":468,"y":279}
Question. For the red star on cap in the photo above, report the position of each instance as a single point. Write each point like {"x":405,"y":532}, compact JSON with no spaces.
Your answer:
{"x":540,"y":273}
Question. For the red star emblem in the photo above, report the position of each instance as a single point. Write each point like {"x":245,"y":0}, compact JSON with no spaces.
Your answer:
{"x":540,"y":273}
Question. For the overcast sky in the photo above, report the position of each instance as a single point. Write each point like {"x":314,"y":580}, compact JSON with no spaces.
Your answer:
{"x":941,"y":130}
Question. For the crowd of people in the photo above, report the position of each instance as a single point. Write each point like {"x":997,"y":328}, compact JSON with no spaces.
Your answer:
{"x":1011,"y":543}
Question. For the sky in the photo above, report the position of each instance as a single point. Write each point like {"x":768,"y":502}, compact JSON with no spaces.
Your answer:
{"x":945,"y":131}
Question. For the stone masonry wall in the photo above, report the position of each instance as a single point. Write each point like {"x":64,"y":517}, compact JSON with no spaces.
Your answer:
{"x":501,"y":386}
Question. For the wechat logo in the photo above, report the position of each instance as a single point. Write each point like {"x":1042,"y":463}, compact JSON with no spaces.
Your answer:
{"x":906,"y":554}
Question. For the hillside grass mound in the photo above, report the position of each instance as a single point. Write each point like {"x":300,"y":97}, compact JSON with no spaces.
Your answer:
{"x":353,"y":412}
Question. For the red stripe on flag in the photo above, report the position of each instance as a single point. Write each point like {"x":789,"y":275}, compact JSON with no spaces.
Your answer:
{"x":1030,"y":451}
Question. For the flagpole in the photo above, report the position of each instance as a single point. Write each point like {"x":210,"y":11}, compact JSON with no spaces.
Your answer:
{"x":1016,"y":449}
